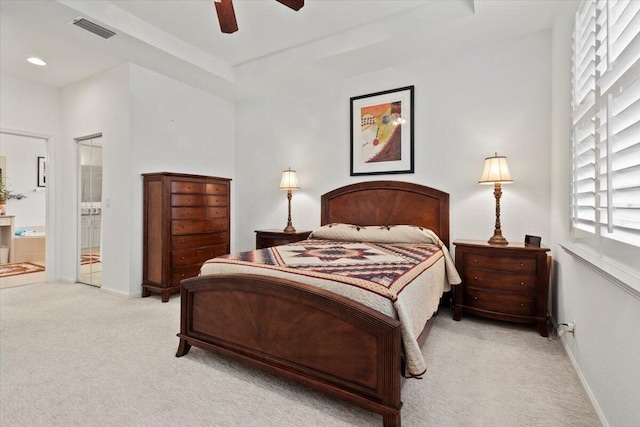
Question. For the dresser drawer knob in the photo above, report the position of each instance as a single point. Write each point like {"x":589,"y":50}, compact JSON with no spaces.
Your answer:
{"x":521,"y":265}
{"x":182,"y":241}
{"x":475,"y":298}
{"x":521,"y":305}
{"x":521,"y":283}
{"x":182,"y":274}
{"x":475,"y":278}
{"x":475,"y":260}
{"x":182,"y":257}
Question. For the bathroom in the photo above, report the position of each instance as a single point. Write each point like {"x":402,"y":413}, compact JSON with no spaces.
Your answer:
{"x":23,"y":224}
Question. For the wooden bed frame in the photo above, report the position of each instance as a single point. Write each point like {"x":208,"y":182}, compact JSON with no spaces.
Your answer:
{"x":314,"y":337}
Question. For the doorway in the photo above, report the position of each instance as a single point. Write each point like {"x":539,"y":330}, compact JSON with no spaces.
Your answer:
{"x":24,"y":208}
{"x":90,"y":210}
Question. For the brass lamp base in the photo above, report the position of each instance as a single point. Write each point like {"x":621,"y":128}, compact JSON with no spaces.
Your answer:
{"x":497,"y":238}
{"x":289,"y":228}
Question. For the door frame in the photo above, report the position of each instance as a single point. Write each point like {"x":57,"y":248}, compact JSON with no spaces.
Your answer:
{"x":52,"y":267}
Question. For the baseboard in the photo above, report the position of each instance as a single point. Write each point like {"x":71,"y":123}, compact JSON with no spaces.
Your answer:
{"x":582,"y":378}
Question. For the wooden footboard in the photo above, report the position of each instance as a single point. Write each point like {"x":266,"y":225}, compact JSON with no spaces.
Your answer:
{"x":307,"y":335}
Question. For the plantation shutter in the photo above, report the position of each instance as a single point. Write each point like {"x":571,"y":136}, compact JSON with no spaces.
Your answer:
{"x":606,"y":119}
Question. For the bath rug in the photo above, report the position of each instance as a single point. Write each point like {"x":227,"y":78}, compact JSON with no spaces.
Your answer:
{"x":19,"y":268}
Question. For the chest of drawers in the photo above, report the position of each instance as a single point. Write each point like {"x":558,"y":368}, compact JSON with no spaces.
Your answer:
{"x":504,"y":282}
{"x":186,"y":222}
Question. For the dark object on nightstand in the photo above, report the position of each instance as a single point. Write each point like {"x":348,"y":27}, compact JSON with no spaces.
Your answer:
{"x":186,"y":222}
{"x":532,"y":240}
{"x":268,"y":238}
{"x":507,"y":282}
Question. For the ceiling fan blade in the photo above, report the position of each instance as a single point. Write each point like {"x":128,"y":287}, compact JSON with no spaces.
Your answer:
{"x":226,"y":16}
{"x":293,"y":4}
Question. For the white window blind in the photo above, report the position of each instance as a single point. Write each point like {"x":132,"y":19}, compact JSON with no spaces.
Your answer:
{"x":606,"y":121}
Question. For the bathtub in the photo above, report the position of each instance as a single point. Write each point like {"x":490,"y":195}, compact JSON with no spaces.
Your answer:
{"x":30,"y":247}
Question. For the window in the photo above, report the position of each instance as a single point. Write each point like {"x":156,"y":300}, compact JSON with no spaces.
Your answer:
{"x":606,"y":128}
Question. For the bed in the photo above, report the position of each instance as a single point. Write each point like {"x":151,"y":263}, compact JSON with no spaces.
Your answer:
{"x":338,"y":346}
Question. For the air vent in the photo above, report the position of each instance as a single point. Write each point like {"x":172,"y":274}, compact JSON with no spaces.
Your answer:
{"x":93,"y":28}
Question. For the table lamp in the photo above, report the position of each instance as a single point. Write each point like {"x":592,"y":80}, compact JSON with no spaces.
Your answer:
{"x":496,"y":172}
{"x":289,"y":182}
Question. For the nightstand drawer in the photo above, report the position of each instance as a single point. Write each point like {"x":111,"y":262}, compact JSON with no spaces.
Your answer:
{"x":512,"y":282}
{"x":501,"y":263}
{"x":502,"y":302}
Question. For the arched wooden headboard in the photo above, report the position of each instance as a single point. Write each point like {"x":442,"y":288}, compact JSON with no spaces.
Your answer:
{"x":388,"y":203}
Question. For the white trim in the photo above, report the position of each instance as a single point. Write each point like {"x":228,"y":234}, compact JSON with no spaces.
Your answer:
{"x":583,"y":379}
{"x":628,"y":281}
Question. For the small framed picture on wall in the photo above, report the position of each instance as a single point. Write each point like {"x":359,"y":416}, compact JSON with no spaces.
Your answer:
{"x":42,"y":172}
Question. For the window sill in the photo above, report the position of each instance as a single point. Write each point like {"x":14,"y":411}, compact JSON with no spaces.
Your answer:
{"x":629,"y":282}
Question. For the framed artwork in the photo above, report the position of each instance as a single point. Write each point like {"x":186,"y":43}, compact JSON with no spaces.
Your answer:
{"x":382,"y":132}
{"x":532,"y":240}
{"x":42,"y":172}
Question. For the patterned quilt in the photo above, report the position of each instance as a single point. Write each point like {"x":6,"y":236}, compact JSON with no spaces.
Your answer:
{"x":384,"y":269}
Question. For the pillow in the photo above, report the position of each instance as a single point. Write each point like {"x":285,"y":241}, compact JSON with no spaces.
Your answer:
{"x":376,"y":234}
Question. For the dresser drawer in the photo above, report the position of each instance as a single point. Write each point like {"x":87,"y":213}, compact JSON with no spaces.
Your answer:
{"x":502,"y":263}
{"x":179,"y":274}
{"x":502,"y":302}
{"x":493,"y":280}
{"x":217,"y":201}
{"x":192,"y":241}
{"x":187,"y":187}
{"x":5,"y":221}
{"x":194,"y":226}
{"x":196,"y":256}
{"x":216,"y":189}
{"x":187,"y":200}
{"x":188,"y":212}
{"x":217,"y":212}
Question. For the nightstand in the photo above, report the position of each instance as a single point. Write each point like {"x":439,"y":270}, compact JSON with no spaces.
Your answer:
{"x":504,"y":282}
{"x":268,"y":238}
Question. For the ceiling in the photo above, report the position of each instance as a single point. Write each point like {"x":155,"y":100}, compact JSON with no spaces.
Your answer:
{"x":182,"y":38}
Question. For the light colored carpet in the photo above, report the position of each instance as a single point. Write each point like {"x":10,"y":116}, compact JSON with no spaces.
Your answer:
{"x":73,"y":355}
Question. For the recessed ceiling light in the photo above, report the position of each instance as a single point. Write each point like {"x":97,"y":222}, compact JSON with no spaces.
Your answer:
{"x":36,"y":61}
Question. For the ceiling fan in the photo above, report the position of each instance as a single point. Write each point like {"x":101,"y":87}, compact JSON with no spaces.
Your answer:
{"x":227,"y":17}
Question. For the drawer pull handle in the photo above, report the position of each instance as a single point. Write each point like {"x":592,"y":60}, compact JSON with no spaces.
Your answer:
{"x":475,"y":260}
{"x":475,"y":298}
{"x":521,"y":283}
{"x":475,"y":278}
{"x":521,"y":265}
{"x":182,"y":257}
{"x":182,"y":241}
{"x":521,"y":305}
{"x":182,"y":275}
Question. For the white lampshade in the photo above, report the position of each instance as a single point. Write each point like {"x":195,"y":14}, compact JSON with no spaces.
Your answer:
{"x":289,"y":180}
{"x":495,"y":170}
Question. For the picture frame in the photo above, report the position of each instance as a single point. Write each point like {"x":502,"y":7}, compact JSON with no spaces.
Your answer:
{"x":382,"y":132}
{"x":532,"y":240}
{"x":42,"y":172}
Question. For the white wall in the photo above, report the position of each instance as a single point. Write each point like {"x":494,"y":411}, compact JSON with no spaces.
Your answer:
{"x":468,"y":104}
{"x":149,"y":123}
{"x":99,"y":105}
{"x":34,"y":109}
{"x":21,"y":176}
{"x":174,"y":128}
{"x":605,"y":347}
